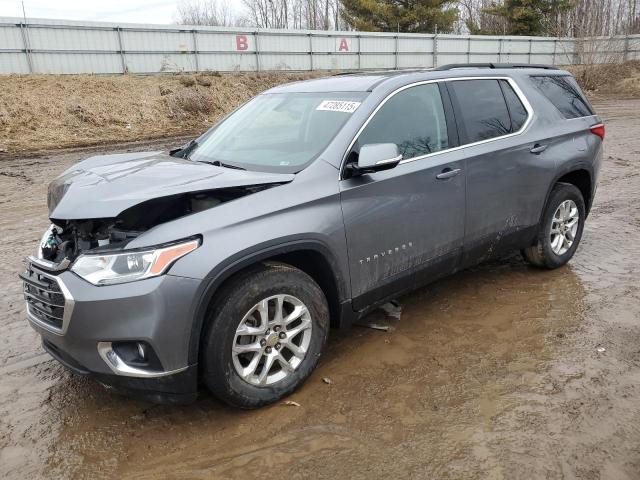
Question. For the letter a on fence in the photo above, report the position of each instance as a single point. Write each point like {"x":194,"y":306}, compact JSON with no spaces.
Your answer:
{"x":344,"y":45}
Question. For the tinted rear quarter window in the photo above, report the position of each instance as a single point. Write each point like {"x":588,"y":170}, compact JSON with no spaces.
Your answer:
{"x":482,"y":107}
{"x":516,"y":109}
{"x":564,"y":93}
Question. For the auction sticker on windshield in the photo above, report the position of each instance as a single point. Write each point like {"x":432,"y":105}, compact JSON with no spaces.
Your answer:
{"x":338,"y":106}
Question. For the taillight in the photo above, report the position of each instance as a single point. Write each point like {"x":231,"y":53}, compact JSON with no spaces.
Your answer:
{"x":598,"y":130}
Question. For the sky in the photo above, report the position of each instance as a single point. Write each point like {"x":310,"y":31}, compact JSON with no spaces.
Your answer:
{"x":132,"y":11}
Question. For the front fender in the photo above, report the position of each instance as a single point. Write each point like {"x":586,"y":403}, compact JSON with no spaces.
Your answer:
{"x":234,"y":264}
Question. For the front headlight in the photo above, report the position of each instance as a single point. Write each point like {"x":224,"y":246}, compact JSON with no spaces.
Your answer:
{"x":129,"y":266}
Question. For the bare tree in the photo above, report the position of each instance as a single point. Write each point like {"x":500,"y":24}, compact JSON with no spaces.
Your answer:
{"x":474,"y":19}
{"x":601,"y":18}
{"x":268,"y":13}
{"x":310,"y":14}
{"x":584,"y":18}
{"x":206,"y":12}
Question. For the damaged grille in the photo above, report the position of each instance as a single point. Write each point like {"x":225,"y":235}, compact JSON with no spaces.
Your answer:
{"x":45,"y":300}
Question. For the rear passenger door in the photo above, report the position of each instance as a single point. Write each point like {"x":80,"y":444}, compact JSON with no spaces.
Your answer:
{"x":410,"y":219}
{"x":505,"y":181}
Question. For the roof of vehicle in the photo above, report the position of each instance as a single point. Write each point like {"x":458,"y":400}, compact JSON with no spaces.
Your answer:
{"x":367,"y":81}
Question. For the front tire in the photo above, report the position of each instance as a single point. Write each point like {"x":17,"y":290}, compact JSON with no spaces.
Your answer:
{"x":560,"y":230}
{"x":264,"y":336}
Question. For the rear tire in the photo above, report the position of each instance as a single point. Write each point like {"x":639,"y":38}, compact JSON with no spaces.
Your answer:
{"x":248,"y":347}
{"x":558,"y":235}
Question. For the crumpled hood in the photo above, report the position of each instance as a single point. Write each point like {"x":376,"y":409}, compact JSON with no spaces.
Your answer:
{"x":105,"y":186}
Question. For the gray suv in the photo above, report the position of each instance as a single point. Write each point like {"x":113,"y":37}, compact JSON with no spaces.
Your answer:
{"x":226,"y":261}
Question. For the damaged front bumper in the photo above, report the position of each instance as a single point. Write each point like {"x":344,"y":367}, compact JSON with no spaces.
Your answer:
{"x":131,"y":336}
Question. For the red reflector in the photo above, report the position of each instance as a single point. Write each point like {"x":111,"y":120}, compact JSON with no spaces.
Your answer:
{"x":598,"y":130}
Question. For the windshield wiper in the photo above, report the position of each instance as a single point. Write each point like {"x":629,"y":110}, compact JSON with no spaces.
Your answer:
{"x":218,"y":163}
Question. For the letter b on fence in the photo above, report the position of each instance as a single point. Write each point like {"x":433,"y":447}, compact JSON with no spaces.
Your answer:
{"x":242,"y":42}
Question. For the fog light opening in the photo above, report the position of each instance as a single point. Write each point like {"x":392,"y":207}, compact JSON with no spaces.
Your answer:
{"x":137,"y":354}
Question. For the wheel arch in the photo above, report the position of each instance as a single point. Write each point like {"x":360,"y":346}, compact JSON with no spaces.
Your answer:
{"x":581,"y":178}
{"x":311,"y":256}
{"x":579,"y":175}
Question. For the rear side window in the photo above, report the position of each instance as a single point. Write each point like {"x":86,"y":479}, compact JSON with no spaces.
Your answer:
{"x":564,"y":93}
{"x":482,"y":107}
{"x":516,"y":109}
{"x":413,"y":119}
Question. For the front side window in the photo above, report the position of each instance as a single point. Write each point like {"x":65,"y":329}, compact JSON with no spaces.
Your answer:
{"x":279,"y":132}
{"x":564,"y":93}
{"x":413,"y":119}
{"x":482,"y":107}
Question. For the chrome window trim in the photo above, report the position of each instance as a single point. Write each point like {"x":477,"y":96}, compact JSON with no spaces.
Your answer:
{"x":516,"y":88}
{"x":69,"y":303}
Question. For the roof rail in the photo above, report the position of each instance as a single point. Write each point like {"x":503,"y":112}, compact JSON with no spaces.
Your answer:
{"x":346,"y":72}
{"x":390,"y":71}
{"x":453,"y":66}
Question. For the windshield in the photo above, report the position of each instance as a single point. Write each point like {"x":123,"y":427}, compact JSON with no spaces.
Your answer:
{"x":280,"y":132}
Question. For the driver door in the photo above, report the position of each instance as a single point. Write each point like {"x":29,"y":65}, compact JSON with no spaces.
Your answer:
{"x":405,"y":225}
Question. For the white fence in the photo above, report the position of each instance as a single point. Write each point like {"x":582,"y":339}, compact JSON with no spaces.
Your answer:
{"x":63,"y":46}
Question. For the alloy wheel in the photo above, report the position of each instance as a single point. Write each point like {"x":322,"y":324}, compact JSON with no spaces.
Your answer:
{"x":272,"y":340}
{"x":564,"y":227}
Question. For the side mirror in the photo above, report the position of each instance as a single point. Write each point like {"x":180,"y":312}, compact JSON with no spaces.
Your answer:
{"x":375,"y":157}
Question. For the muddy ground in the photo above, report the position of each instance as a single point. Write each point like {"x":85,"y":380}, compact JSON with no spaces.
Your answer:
{"x":503,"y":371}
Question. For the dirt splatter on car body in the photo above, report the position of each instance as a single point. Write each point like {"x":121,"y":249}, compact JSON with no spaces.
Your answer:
{"x":496,"y":372}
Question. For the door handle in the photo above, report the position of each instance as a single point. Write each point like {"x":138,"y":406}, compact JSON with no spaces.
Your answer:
{"x":448,"y":173}
{"x":538,"y":148}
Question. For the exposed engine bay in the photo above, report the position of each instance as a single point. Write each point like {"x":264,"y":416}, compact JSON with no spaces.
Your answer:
{"x":104,"y":202}
{"x":69,"y":238}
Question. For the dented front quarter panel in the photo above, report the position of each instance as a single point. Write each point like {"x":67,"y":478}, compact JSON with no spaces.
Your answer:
{"x":305,"y":211}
